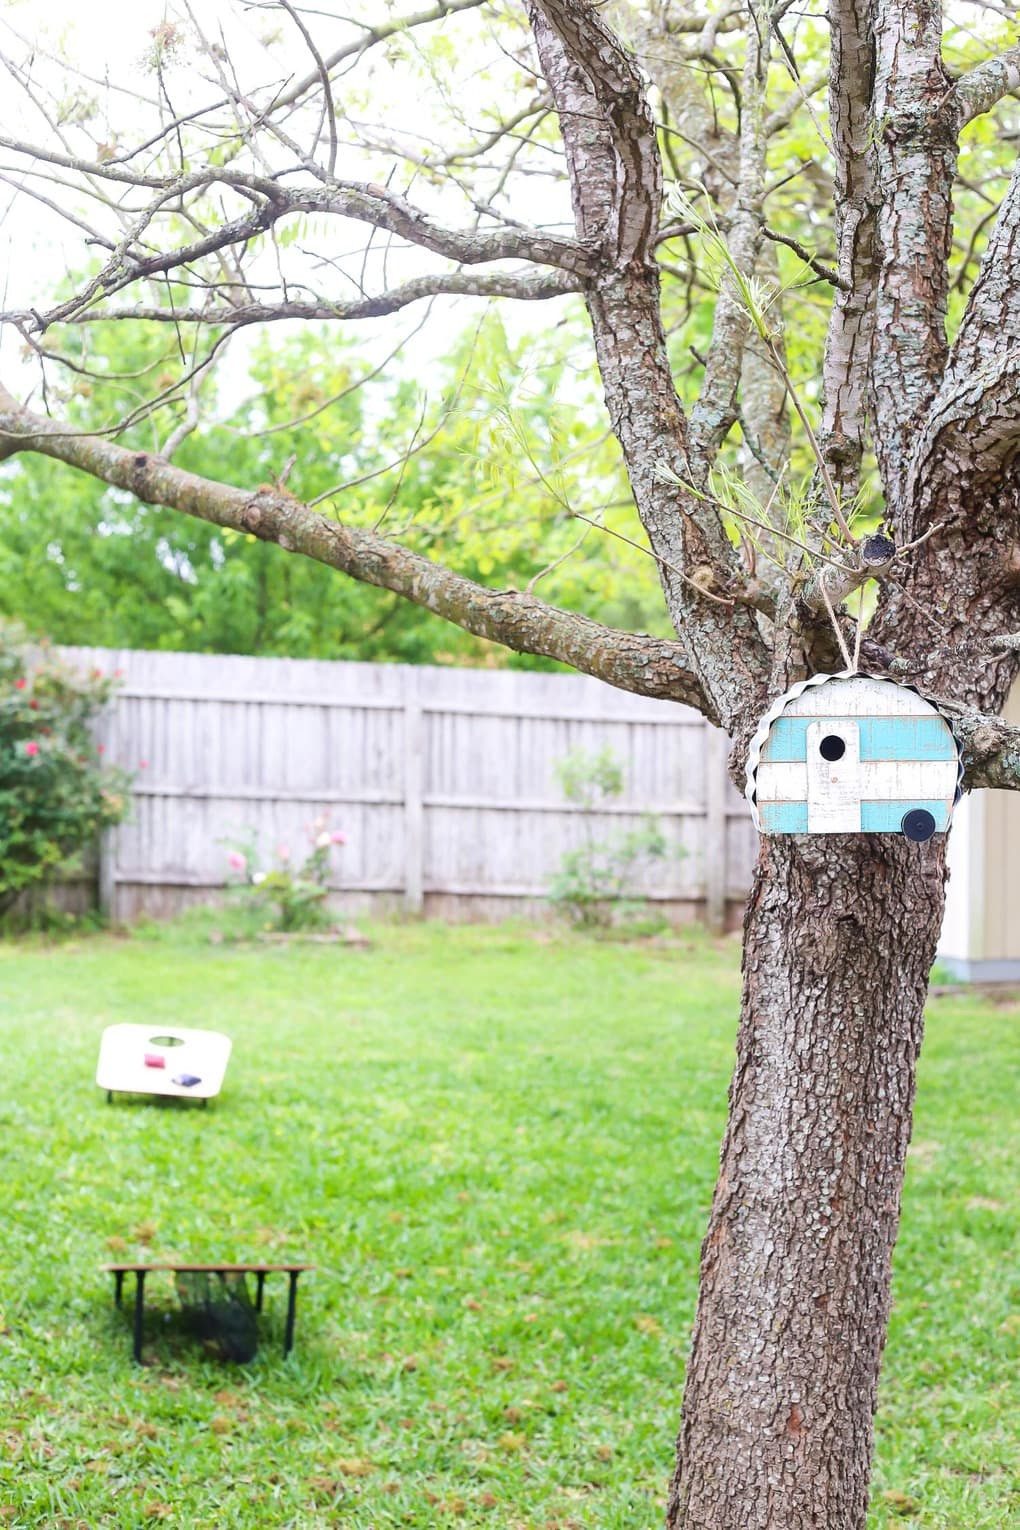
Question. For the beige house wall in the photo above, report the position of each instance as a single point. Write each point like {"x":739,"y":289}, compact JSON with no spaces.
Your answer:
{"x":999,"y":939}
{"x":981,"y":934}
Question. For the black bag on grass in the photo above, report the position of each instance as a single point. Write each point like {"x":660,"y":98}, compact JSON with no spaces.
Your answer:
{"x":218,"y":1308}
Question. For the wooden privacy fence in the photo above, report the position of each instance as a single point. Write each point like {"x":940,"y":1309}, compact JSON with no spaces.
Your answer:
{"x":442,"y":780}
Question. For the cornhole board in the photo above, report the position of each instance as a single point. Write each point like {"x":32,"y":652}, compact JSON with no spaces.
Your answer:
{"x":123,"y":1069}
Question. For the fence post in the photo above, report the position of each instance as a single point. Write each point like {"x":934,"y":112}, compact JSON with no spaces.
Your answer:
{"x":414,"y":807}
{"x":715,"y":829}
{"x":106,"y":883}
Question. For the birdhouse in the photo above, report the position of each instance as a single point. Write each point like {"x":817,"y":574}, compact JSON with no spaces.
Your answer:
{"x":853,"y":754}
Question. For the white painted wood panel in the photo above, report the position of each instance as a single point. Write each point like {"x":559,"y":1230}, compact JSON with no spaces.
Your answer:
{"x":834,"y":786}
{"x":880,"y":780}
{"x":863,"y":697}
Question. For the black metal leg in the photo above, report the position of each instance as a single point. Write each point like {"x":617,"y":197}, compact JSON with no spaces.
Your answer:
{"x":260,"y":1281}
{"x":288,"y":1336}
{"x":118,"y":1286}
{"x":139,"y":1312}
{"x":109,"y":1097}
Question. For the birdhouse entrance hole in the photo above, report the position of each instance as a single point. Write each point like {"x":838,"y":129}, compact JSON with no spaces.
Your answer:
{"x":832,"y":747}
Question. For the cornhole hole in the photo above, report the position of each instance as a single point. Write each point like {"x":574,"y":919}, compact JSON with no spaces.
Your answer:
{"x":170,"y":1060}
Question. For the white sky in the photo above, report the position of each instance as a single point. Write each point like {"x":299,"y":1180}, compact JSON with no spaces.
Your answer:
{"x":38,"y":245}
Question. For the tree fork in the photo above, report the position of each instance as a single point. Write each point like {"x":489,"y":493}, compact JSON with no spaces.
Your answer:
{"x":839,"y":938}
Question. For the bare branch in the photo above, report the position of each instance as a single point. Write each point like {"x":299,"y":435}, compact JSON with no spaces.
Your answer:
{"x":798,"y":97}
{"x":827,"y":273}
{"x":525,"y":288}
{"x":363,"y":202}
{"x":328,"y":113}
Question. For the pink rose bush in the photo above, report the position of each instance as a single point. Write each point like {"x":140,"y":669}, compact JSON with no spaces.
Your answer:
{"x":289,"y":893}
{"x":55,"y":792}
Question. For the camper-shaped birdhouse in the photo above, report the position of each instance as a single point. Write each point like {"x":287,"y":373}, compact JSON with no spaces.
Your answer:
{"x":853,"y":754}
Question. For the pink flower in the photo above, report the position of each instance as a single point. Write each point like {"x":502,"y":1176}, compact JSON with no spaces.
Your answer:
{"x":336,"y":838}
{"x":283,"y":851}
{"x":31,"y":747}
{"x":237,"y":861}
{"x":100,"y":748}
{"x":19,"y":685}
{"x":143,"y":764}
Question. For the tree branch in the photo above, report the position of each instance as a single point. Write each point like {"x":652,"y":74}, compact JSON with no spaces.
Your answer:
{"x":716,"y":409}
{"x":616,"y":186}
{"x":984,"y":86}
{"x":525,"y":288}
{"x":915,"y":152}
{"x":965,"y":471}
{"x":991,"y":750}
{"x":635,"y":662}
{"x":827,"y":273}
{"x":362,"y":201}
{"x":851,"y":322}
{"x":973,"y":428}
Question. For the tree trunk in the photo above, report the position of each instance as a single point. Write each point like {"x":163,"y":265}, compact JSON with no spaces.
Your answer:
{"x":840,"y":936}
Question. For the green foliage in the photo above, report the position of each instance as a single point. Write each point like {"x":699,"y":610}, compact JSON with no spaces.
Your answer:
{"x":590,"y":778}
{"x":287,"y":897}
{"x":498,"y":1146}
{"x":55,"y":794}
{"x":514,"y":443}
{"x":596,"y":881}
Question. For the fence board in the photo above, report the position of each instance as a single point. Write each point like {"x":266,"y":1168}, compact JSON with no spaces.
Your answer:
{"x":443,"y":781}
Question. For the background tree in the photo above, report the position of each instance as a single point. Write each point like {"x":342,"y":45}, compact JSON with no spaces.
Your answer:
{"x":497,"y":456}
{"x":454,"y":147}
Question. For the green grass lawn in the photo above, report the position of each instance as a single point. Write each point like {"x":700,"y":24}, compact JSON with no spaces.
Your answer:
{"x":498,"y":1148}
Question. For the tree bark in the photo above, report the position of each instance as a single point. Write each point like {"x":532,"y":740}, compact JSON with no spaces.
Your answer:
{"x":840,"y":935}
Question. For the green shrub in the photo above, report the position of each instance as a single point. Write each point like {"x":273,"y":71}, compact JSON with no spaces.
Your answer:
{"x":56,"y":792}
{"x":595,"y":883}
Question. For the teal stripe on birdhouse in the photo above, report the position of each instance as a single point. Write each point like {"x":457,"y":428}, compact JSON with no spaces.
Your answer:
{"x":876,"y":817}
{"x":787,"y":743}
{"x":783,"y":817}
{"x":882,"y":738}
{"x":906,"y":738}
{"x":887,"y":817}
